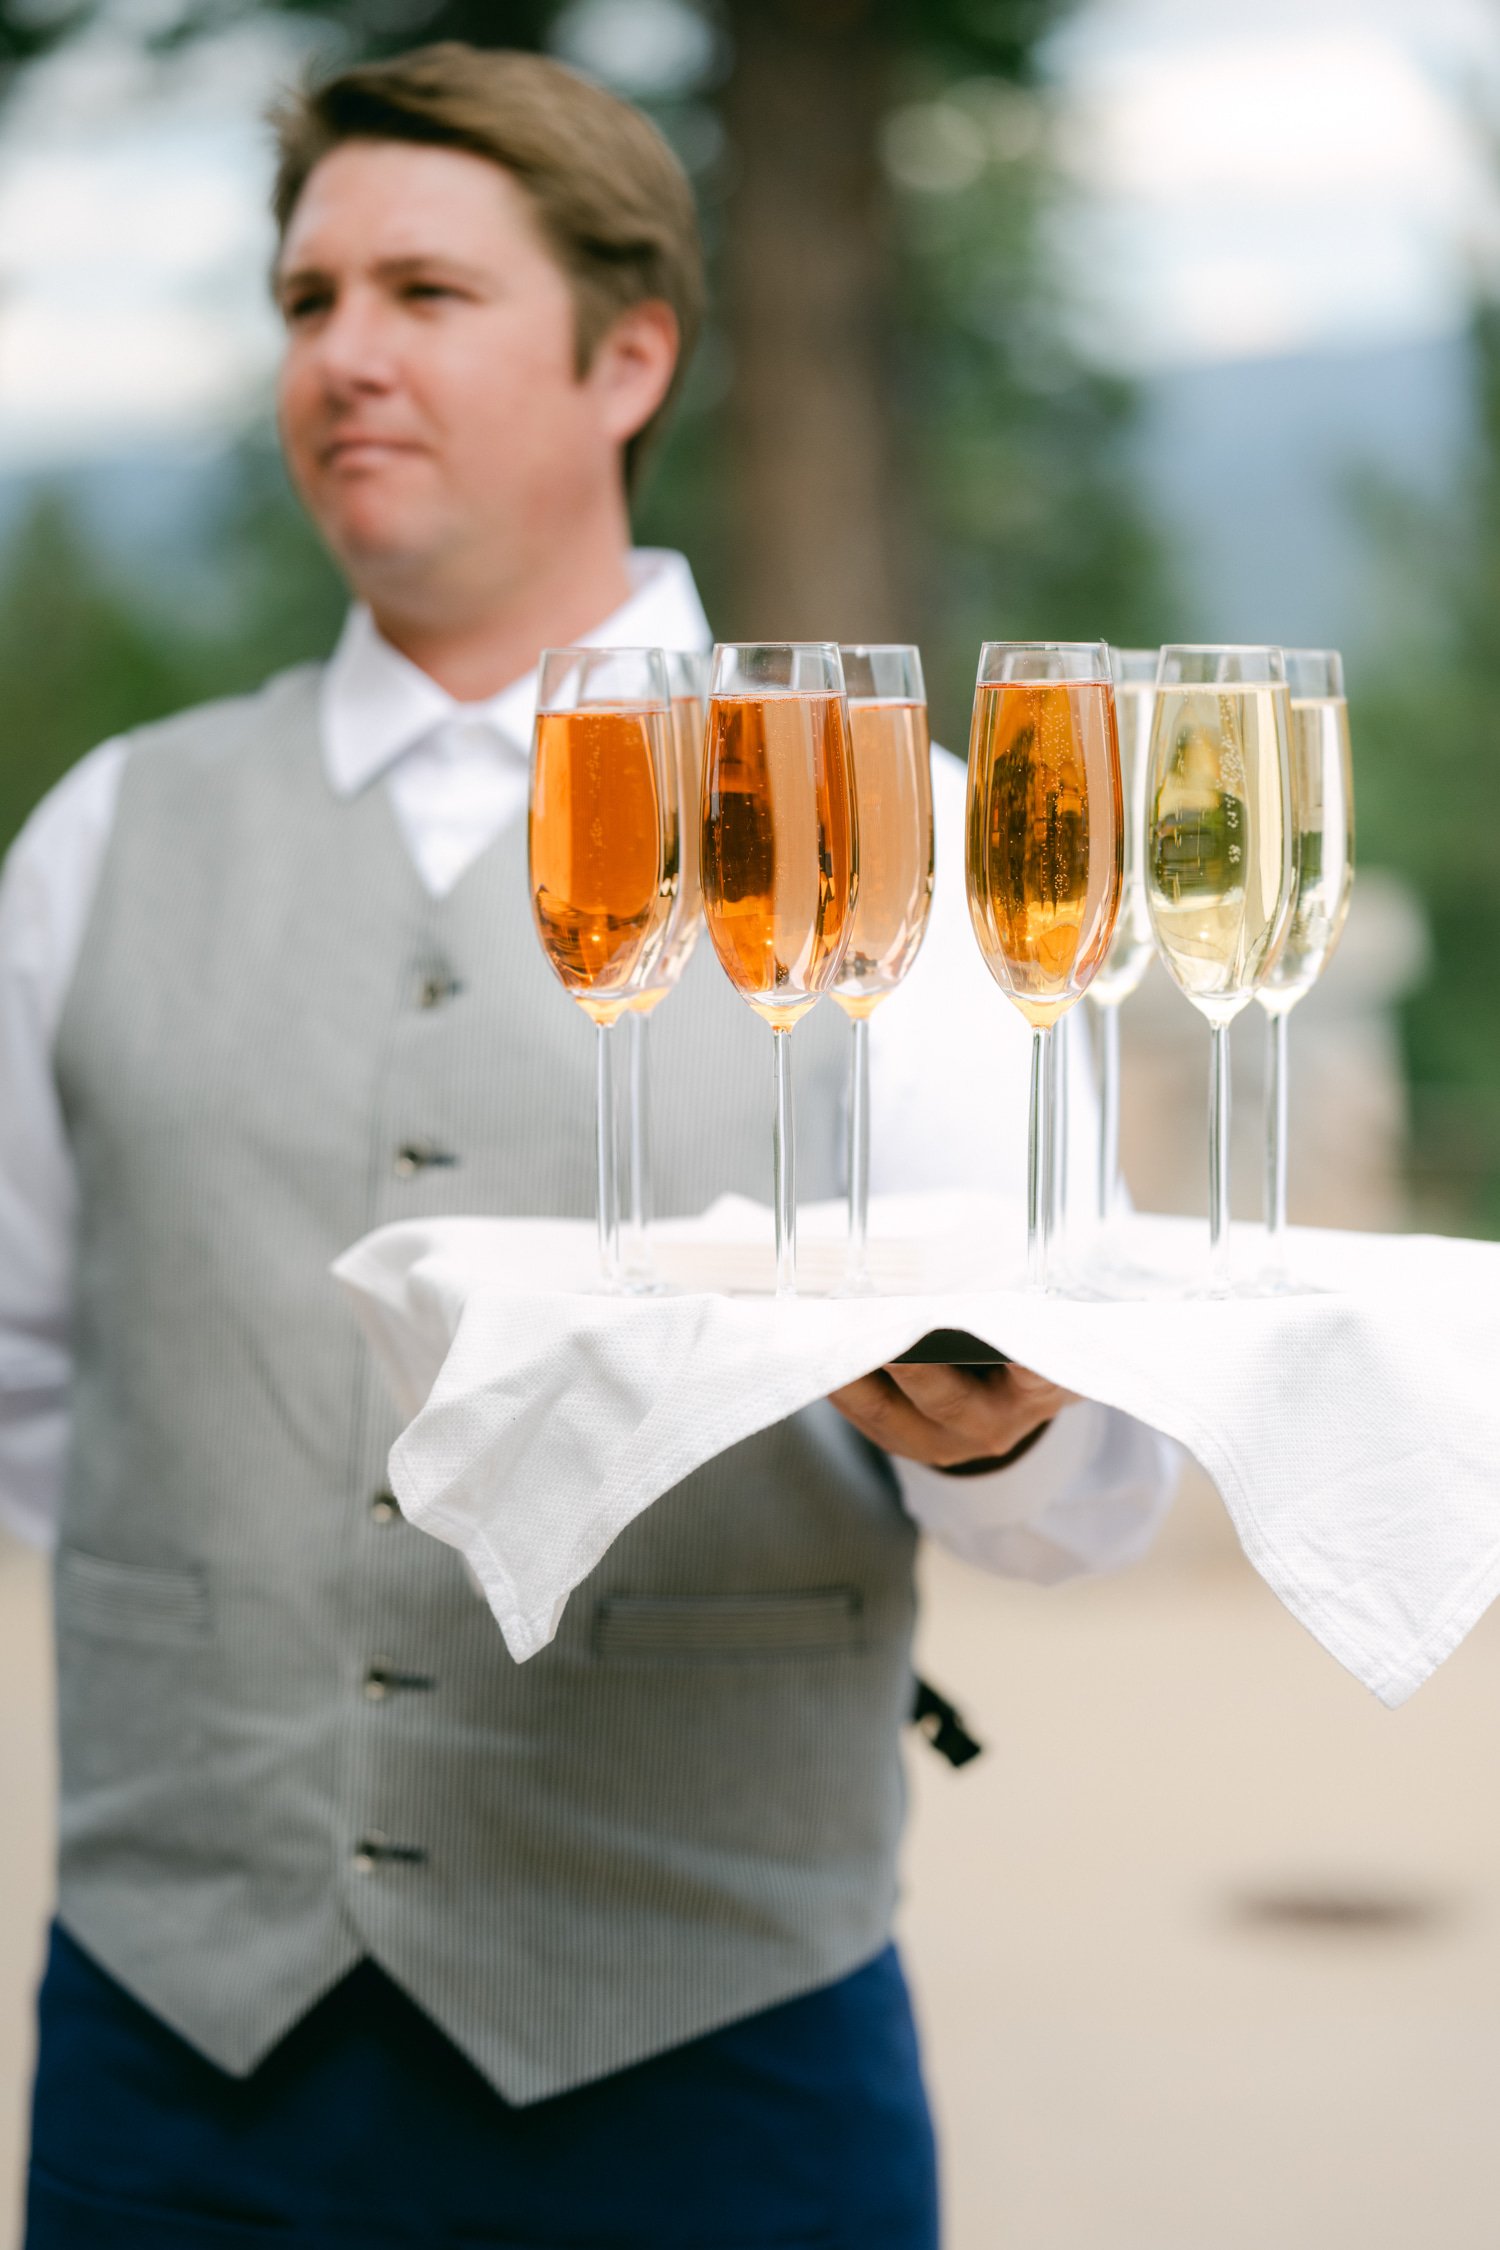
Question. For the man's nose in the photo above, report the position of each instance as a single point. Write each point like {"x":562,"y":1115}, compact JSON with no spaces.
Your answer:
{"x":355,"y":347}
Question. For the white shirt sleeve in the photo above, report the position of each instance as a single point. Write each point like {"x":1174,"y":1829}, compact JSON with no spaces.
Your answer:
{"x":47,"y":889}
{"x":949,"y":1072}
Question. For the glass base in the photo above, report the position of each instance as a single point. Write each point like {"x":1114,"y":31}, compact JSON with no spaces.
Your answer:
{"x":864,"y":1288}
{"x":1275,"y":1281}
{"x":644,"y":1285}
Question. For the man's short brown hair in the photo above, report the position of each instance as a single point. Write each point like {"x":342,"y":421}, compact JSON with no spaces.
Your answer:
{"x":612,"y":200}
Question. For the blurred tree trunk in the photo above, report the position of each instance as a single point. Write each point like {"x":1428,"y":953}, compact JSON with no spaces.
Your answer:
{"x":818,"y":551}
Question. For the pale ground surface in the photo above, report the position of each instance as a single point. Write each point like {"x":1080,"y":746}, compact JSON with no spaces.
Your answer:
{"x":1122,"y":2057}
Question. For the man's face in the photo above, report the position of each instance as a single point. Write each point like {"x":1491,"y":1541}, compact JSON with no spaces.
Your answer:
{"x":430,"y":408}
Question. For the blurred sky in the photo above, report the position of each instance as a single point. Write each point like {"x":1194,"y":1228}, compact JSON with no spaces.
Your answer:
{"x":1292,"y":175}
{"x":1244,"y":180}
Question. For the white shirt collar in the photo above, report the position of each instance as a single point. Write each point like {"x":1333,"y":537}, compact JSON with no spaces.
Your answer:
{"x":377,"y":704}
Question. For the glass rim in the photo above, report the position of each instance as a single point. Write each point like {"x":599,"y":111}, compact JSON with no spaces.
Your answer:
{"x":1222,"y":648}
{"x":607,"y":648}
{"x":652,"y":702}
{"x":1326,"y":667}
{"x":883,"y":673}
{"x":1134,"y":668}
{"x":1225,"y":664}
{"x":1094,"y":668}
{"x":819,"y":645}
{"x":750,"y":671}
{"x":1044,"y":648}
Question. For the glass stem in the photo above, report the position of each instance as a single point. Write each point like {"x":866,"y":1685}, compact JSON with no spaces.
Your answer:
{"x":1109,"y":1110}
{"x":1037,"y":1149}
{"x":859,"y":1154}
{"x":786,"y":1168}
{"x":1218,"y":1161}
{"x":1057,"y":1173}
{"x":640,"y":1140}
{"x":1276,"y":1136}
{"x":607,"y":1185}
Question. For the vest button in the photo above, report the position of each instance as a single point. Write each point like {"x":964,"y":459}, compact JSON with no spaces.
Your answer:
{"x":437,"y":988}
{"x":383,"y":1678}
{"x":376,"y":1849}
{"x":383,"y":1508}
{"x":417,"y":1156}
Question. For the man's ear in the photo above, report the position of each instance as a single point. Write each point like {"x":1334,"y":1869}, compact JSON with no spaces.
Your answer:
{"x":633,"y":365}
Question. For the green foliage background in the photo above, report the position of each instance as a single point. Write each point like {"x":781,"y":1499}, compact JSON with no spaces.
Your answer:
{"x":1021,"y":512}
{"x":1427,"y":729}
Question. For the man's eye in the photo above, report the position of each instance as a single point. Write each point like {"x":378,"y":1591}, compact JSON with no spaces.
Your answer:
{"x":301,"y":307}
{"x":431,"y":289}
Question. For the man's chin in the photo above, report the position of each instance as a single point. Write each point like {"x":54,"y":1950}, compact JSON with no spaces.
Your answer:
{"x":380,"y":545}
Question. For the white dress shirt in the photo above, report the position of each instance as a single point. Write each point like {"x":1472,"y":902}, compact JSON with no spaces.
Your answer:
{"x":949,"y":1076}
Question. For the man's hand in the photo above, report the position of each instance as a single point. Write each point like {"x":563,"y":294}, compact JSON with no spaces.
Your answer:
{"x":949,"y":1417}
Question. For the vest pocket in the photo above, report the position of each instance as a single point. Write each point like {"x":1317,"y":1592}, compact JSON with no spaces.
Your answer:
{"x":133,"y":1646}
{"x":136,"y":1602}
{"x":715,"y":1628}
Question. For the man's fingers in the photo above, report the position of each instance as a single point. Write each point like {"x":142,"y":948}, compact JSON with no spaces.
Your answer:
{"x":939,"y":1391}
{"x":993,"y":1411}
{"x":947,"y":1415}
{"x":882,"y":1413}
{"x":964,"y":1406}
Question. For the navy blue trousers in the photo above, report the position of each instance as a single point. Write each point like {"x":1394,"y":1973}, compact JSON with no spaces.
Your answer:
{"x":801,"y":2128}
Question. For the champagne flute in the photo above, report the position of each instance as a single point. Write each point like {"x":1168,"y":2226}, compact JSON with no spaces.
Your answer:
{"x":1219,"y":856}
{"x":1323,"y":851}
{"x":603,"y":850}
{"x":1129,"y":956}
{"x":1045,"y":857}
{"x":893,"y":793}
{"x":687,"y":688}
{"x":780,"y":853}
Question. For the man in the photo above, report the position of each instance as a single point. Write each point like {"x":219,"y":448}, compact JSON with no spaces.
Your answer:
{"x":367,"y":1935}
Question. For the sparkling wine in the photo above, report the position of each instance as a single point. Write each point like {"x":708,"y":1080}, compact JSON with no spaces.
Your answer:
{"x":1046,"y":837}
{"x":686,"y":918}
{"x":603,"y":850}
{"x":1129,"y":955}
{"x":779,"y":846}
{"x":893,"y":785}
{"x":1219,"y":855}
{"x":1323,"y":850}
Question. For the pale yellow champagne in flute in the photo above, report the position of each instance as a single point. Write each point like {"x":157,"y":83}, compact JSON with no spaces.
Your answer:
{"x":1219,"y":855}
{"x":1045,"y":853}
{"x":1322,"y":788}
{"x":602,"y":852}
{"x":687,"y":685}
{"x":893,"y":791}
{"x":779,"y":853}
{"x":1129,"y":956}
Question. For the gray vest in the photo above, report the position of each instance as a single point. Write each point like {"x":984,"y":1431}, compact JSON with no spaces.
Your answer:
{"x":291,"y":1734}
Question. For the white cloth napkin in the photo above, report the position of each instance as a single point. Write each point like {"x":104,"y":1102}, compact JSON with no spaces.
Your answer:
{"x":1353,"y":1431}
